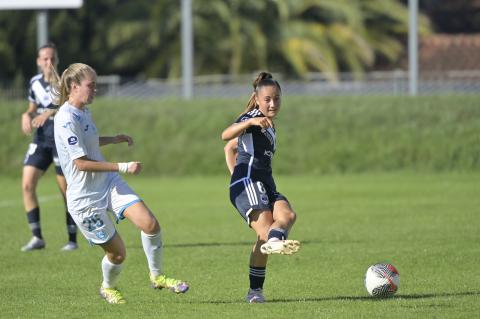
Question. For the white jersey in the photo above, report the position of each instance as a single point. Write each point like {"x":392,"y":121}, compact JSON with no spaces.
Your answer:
{"x":76,"y":136}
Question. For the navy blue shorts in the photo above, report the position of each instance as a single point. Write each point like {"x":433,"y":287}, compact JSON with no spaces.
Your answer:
{"x":248,"y":194}
{"x":41,"y":157}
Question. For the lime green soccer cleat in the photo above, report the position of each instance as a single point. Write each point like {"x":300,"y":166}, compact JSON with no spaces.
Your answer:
{"x":112,"y":295}
{"x":174,"y":285}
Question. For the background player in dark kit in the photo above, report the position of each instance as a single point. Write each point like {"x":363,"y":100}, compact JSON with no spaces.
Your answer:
{"x":42,"y":152}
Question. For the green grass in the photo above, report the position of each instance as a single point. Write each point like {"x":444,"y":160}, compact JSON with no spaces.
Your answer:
{"x":320,"y":135}
{"x":425,"y":224}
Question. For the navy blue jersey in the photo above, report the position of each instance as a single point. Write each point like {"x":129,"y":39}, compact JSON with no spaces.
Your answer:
{"x":39,"y":93}
{"x":256,"y":146}
{"x":252,"y":186}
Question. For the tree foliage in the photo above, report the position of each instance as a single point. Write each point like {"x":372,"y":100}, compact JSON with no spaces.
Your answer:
{"x":142,"y":37}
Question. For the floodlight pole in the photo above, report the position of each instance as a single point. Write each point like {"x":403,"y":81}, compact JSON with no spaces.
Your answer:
{"x":413,"y":47}
{"x":42,"y":27}
{"x":187,"y":49}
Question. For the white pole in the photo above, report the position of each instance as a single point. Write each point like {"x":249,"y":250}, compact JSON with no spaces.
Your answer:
{"x":42,"y":27}
{"x":187,"y":49}
{"x":413,"y":47}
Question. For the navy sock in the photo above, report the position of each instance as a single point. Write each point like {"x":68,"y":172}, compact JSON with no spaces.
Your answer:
{"x":277,"y":233}
{"x":257,"y":277}
{"x":33,"y":218}
{"x":71,"y":228}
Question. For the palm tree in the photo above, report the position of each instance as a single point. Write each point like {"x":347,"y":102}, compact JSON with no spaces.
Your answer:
{"x":338,"y":35}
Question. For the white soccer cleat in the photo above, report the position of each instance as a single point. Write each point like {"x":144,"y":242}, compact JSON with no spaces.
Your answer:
{"x":255,"y":296}
{"x":33,"y":244}
{"x":70,"y":246}
{"x":283,"y":247}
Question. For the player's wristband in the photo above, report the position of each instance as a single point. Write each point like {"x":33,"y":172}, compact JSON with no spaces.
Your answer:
{"x":123,"y":167}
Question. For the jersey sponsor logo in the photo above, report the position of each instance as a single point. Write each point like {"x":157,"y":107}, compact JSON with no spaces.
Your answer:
{"x":72,"y":140}
{"x":268,"y":153}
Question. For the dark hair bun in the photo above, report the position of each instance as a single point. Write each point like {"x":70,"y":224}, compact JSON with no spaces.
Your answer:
{"x":261,"y":76}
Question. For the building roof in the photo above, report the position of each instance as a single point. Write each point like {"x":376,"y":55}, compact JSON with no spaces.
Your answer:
{"x":447,"y":52}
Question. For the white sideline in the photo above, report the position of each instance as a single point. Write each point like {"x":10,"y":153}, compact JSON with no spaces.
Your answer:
{"x":42,"y":199}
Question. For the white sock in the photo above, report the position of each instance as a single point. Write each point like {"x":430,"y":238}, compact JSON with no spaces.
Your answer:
{"x":153,"y":247}
{"x":110,"y":272}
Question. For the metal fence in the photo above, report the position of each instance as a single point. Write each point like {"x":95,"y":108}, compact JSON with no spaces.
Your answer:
{"x":315,"y":84}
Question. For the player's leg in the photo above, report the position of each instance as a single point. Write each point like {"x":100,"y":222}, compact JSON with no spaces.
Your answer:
{"x":139,"y":214}
{"x":30,"y":177}
{"x":71,"y":226}
{"x":283,"y":219}
{"x":112,"y":264}
{"x":260,"y":222}
{"x":95,"y":224}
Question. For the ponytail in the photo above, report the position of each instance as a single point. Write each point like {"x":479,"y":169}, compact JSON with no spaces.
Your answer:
{"x":75,"y":73}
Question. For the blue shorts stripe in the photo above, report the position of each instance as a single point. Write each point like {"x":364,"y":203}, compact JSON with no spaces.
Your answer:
{"x":119,"y":215}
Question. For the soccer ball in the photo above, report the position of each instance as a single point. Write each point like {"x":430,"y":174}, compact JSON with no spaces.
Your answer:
{"x":382,"y":280}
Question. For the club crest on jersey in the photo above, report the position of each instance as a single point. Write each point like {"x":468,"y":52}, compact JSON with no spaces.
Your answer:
{"x":101,"y":234}
{"x":264,"y":198}
{"x":72,"y":140}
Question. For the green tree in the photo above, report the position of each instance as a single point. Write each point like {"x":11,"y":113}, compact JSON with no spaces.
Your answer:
{"x":142,"y":37}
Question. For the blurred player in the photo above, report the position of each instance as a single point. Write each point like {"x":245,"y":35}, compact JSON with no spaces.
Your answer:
{"x":41,"y":152}
{"x":249,"y":152}
{"x":95,"y":188}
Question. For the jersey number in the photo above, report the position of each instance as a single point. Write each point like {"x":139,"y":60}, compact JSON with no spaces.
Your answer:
{"x":261,"y":188}
{"x":92,"y":222}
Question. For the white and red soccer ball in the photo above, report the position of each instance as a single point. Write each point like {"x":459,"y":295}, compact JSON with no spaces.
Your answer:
{"x":382,"y":280}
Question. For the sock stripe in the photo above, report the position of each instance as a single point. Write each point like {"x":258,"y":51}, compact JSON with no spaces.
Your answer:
{"x":257,"y":272}
{"x":34,"y":225}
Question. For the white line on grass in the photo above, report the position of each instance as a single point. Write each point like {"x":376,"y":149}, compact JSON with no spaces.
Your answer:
{"x":42,"y":199}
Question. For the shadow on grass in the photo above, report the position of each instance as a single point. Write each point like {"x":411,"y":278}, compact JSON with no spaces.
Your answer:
{"x":355,"y":298}
{"x":220,"y":244}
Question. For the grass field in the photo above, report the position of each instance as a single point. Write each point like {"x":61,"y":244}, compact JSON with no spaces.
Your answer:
{"x":426,"y":225}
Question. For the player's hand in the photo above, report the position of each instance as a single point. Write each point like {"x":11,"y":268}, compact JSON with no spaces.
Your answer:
{"x":123,"y":138}
{"x":39,"y":121}
{"x":263,"y":122}
{"x":26,"y":124}
{"x":134,"y":168}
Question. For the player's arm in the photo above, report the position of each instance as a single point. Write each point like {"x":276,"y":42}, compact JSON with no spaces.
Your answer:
{"x":85,"y":164}
{"x":105,"y":140}
{"x":231,"y":149}
{"x":27,"y":118}
{"x":39,"y":120}
{"x":236,"y":129}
